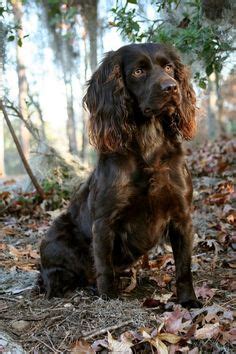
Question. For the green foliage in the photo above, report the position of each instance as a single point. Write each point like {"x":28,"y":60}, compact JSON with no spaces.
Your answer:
{"x":193,"y":35}
{"x":56,"y":193}
{"x":2,"y":10}
{"x":10,"y":27}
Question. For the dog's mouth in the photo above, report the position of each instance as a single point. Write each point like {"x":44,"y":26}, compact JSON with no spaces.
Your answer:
{"x":167,"y":110}
{"x":167,"y":106}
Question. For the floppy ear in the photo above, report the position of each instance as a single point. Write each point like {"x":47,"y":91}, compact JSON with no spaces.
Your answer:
{"x":106,"y":97}
{"x":187,"y":110}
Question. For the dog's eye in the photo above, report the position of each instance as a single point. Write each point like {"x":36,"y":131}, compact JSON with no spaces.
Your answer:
{"x":138,"y":72}
{"x":168,"y":68}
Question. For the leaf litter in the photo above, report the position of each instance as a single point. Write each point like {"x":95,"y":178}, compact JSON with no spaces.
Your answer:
{"x":145,"y":318}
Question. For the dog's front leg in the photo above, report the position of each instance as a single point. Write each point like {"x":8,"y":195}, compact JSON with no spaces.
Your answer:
{"x":103,"y":238}
{"x":181,"y":237}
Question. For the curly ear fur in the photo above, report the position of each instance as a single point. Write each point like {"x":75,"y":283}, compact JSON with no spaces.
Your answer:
{"x":109,"y":129}
{"x":187,"y":110}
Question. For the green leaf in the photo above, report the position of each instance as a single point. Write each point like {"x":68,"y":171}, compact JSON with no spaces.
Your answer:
{"x":1,"y":10}
{"x":132,"y":1}
{"x":202,"y":84}
{"x":11,"y":38}
{"x":209,"y":69}
{"x":19,"y":42}
{"x":136,"y":26}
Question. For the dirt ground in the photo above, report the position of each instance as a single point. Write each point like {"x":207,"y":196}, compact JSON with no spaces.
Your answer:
{"x":145,"y":318}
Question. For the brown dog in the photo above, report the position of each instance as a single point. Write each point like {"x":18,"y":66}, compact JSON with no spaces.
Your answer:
{"x":141,"y":108}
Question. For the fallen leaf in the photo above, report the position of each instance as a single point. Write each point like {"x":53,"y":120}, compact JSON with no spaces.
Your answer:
{"x":176,"y":320}
{"x":151,"y":303}
{"x":228,"y":336}
{"x":9,"y":230}
{"x":115,"y":346}
{"x":162,"y":261}
{"x":208,"y":331}
{"x":205,"y":292}
{"x":159,"y":345}
{"x":82,"y":347}
{"x":2,"y":246}
{"x":133,"y":282}
{"x":164,"y":298}
{"x":98,"y":344}
{"x":231,"y":218}
{"x":14,"y":251}
{"x":169,"y":337}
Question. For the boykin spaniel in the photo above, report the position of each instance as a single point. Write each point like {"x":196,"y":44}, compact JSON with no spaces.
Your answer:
{"x":142,"y":107}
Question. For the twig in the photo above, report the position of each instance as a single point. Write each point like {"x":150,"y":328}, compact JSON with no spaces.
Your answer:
{"x":46,"y":345}
{"x":88,"y":335}
{"x":21,"y":153}
{"x":9,"y":299}
{"x":31,"y":128}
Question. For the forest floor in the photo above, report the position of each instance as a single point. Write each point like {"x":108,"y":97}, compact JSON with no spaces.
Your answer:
{"x":145,"y":318}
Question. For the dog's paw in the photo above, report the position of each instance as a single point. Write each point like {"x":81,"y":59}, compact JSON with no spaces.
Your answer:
{"x":192,"y":303}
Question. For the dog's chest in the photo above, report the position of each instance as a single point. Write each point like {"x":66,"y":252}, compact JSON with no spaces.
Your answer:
{"x":159,"y":188}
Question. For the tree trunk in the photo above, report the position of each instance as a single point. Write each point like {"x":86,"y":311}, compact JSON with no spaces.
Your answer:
{"x":89,"y":13}
{"x":67,"y":67}
{"x":90,"y":16}
{"x":213,"y":128}
{"x":220,"y":107}
{"x":84,"y":113}
{"x":22,"y":80}
{"x":2,"y":165}
{"x":71,"y":125}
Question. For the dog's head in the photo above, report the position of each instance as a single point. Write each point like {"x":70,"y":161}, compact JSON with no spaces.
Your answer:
{"x":138,"y":80}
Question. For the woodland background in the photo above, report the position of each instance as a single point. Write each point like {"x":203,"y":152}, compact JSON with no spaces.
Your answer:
{"x":48,"y":50}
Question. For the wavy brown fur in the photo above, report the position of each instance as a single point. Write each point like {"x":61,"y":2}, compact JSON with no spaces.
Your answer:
{"x":141,"y":106}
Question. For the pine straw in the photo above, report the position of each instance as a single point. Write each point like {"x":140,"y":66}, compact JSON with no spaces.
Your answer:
{"x":56,"y":324}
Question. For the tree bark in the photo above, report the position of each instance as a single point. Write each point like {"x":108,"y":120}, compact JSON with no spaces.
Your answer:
{"x":70,"y":124}
{"x":2,"y":165}
{"x":220,"y":107}
{"x":84,"y":113}
{"x":212,"y":123}
{"x":90,"y":16}
{"x":22,"y":80}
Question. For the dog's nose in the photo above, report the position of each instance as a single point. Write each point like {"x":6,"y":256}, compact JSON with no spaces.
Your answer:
{"x":169,"y":86}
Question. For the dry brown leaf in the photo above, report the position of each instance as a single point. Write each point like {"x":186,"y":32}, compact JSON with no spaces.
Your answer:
{"x":208,"y":331}
{"x":162,"y":261}
{"x":115,"y":346}
{"x":32,"y":253}
{"x":28,"y":251}
{"x":15,"y":252}
{"x":164,"y":298}
{"x":159,"y":345}
{"x":169,"y":337}
{"x":231,"y":218}
{"x":82,"y":347}
{"x":133,"y":282}
{"x":205,"y":292}
{"x":2,"y":246}
{"x":176,"y":320}
{"x":9,"y":231}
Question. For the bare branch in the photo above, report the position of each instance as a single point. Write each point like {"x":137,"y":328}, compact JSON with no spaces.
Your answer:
{"x":31,"y":128}
{"x":21,"y":153}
